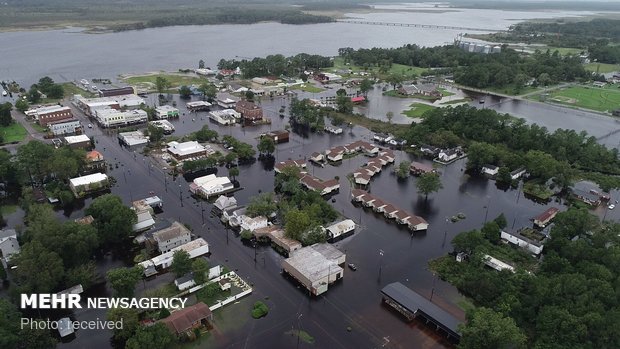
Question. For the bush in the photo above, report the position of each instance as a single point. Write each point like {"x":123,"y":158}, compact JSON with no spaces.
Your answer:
{"x":164,"y":313}
{"x":260,"y":310}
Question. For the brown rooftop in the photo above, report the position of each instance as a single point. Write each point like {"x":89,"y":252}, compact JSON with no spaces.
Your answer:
{"x":184,"y":319}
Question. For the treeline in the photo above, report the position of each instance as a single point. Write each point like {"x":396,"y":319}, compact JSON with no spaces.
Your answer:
{"x":572,"y":298}
{"x":506,"y":141}
{"x":596,"y":28}
{"x":474,"y":69}
{"x":277,"y":65}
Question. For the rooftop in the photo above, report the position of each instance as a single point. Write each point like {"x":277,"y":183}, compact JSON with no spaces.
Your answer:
{"x":175,"y":230}
{"x":77,"y":139}
{"x":182,"y":320}
{"x":185,"y":148}
{"x":91,"y":178}
{"x":315,"y":262}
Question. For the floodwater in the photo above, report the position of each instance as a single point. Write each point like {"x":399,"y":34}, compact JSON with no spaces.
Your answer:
{"x":70,"y":54}
{"x":356,"y":301}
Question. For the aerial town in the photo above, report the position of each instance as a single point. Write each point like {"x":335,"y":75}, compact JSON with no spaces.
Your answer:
{"x":432,"y":194}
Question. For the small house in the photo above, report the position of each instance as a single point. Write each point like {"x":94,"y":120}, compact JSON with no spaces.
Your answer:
{"x":188,"y":319}
{"x":518,"y":173}
{"x":544,"y":218}
{"x":185,"y":282}
{"x":490,"y":170}
{"x":448,"y":155}
{"x":224,"y":284}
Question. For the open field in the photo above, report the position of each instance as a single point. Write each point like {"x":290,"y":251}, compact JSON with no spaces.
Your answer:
{"x":147,"y":81}
{"x":308,"y":87}
{"x":13,"y":133}
{"x":417,"y":110}
{"x":588,"y":97}
{"x":602,"y":67}
{"x":512,"y":91}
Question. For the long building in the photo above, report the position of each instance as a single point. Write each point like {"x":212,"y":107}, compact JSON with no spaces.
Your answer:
{"x":90,"y":183}
{"x":47,"y":115}
{"x":412,"y":305}
{"x":65,"y":127}
{"x":109,"y":117}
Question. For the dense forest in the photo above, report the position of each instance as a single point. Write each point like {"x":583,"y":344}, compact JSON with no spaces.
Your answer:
{"x":277,"y":65}
{"x":503,"y":140}
{"x":569,"y":299}
{"x":474,"y":69}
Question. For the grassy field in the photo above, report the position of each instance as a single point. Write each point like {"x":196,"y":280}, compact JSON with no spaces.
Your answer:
{"x":510,"y":90}
{"x":602,"y":67}
{"x":445,"y":92}
{"x":417,"y":110}
{"x":400,"y":69}
{"x":588,"y":97}
{"x":147,"y":81}
{"x":6,"y":210}
{"x":13,"y":133}
{"x":457,"y":101}
{"x":394,"y":93}
{"x":372,"y":124}
{"x":307,"y":88}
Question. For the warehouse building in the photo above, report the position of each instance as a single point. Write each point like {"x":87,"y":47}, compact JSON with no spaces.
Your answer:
{"x":315,"y":267}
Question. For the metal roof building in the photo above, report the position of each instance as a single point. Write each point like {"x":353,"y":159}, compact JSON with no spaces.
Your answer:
{"x":315,"y":266}
{"x":412,"y":304}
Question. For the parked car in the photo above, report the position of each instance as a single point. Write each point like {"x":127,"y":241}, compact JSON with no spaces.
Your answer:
{"x":611,"y":207}
{"x":90,"y":125}
{"x":352,"y":266}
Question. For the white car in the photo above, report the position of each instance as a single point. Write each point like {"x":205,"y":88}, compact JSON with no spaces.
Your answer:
{"x":90,"y":125}
{"x":611,"y":207}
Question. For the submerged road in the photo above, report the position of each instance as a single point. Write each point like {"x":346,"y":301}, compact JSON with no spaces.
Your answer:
{"x":326,"y":318}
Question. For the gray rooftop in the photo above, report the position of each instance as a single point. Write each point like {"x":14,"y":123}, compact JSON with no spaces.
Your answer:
{"x":417,"y":304}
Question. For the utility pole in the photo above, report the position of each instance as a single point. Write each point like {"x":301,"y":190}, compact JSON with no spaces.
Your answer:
{"x":380,"y":262}
{"x":180,"y":195}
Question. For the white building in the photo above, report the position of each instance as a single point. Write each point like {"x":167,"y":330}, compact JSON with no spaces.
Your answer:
{"x":518,"y":173}
{"x":173,"y":236}
{"x":226,"y":102}
{"x":523,"y":242}
{"x":64,"y":127}
{"x":133,"y":138}
{"x":340,"y":229}
{"x":165,"y":125}
{"x":187,"y":150}
{"x":448,"y":155}
{"x":166,"y":111}
{"x":225,"y":117}
{"x":92,"y":182}
{"x":8,"y":245}
{"x":109,"y":117}
{"x":251,"y":224}
{"x":194,"y":248}
{"x":497,"y":264}
{"x":224,"y":203}
{"x":210,"y":185}
{"x":490,"y":170}
{"x":185,"y":282}
{"x":315,"y":267}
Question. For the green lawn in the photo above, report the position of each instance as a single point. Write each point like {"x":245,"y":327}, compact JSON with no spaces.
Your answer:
{"x":38,"y":127}
{"x":70,"y":90}
{"x":510,"y":90}
{"x":602,"y":67}
{"x":456,"y":101}
{"x":445,"y":92}
{"x":147,"y":82}
{"x":6,"y":210}
{"x":588,"y":97}
{"x":13,"y":133}
{"x":308,"y":87}
{"x":394,"y":93}
{"x":417,"y":110}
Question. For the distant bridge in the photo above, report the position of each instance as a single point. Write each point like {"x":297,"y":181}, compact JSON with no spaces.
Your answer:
{"x":414,"y":25}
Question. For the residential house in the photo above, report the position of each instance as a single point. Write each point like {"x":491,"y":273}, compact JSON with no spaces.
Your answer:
{"x":429,"y":150}
{"x":169,"y":238}
{"x":251,"y":224}
{"x":9,"y":245}
{"x":187,"y":319}
{"x":94,"y":161}
{"x":316,"y":184}
{"x":418,"y":168}
{"x":518,"y":173}
{"x":335,"y":154}
{"x":194,"y":248}
{"x":224,"y":203}
{"x":185,"y":282}
{"x":446,"y":155}
{"x":317,"y":157}
{"x":362,"y":178}
{"x":587,"y":197}
{"x":249,"y":111}
{"x":515,"y":238}
{"x":544,"y":218}
{"x":340,"y":230}
{"x":390,"y":211}
{"x":417,"y":223}
{"x":490,"y":170}
{"x":288,"y":163}
{"x":279,"y":136}
{"x":402,"y":217}
{"x":224,"y":284}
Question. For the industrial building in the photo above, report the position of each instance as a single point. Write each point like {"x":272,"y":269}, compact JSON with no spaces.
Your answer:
{"x":412,"y":305}
{"x":315,"y":267}
{"x":133,"y":138}
{"x":198,"y":106}
{"x":78,"y":142}
{"x":210,"y":185}
{"x":225,"y":117}
{"x":46,"y":115}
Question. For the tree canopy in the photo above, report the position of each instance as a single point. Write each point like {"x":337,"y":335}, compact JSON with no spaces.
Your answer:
{"x":114,"y":221}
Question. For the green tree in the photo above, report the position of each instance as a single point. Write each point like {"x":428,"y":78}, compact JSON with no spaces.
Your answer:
{"x":124,"y":280}
{"x":156,"y":336}
{"x":161,"y":84}
{"x":249,"y":95}
{"x":402,"y":171}
{"x":245,"y":151}
{"x":185,"y":92}
{"x":200,"y":268}
{"x":394,"y":80}
{"x":491,"y":232}
{"x":246,"y":234}
{"x":263,"y":204}
{"x":39,"y":271}
{"x":34,"y":96}
{"x":389,"y":115}
{"x":365,"y":86}
{"x":266,"y":145}
{"x":14,"y":336}
{"x":233,"y":172}
{"x":429,"y":183}
{"x":55,"y":92}
{"x":131,"y":322}
{"x":501,"y":221}
{"x":344,"y":104}
{"x":113,"y":220}
{"x":5,"y":114}
{"x":201,"y":64}
{"x":260,"y":310}
{"x":21,"y":105}
{"x":544,"y":79}
{"x":155,"y":134}
{"x":503,"y":175}
{"x":540,"y":164}
{"x":208,"y":90}
{"x":84,"y":275}
{"x":297,"y":223}
{"x":205,"y":134}
{"x":486,"y":328}
{"x":181,"y":263}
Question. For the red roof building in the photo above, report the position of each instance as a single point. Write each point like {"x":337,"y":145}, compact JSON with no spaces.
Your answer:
{"x":360,"y":99}
{"x":189,"y":318}
{"x":544,"y":218}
